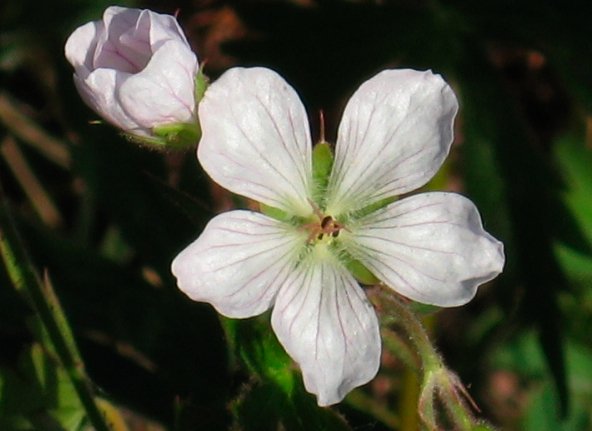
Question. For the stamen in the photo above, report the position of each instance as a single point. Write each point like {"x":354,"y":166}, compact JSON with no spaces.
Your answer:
{"x":326,"y":221}
{"x":326,"y":225}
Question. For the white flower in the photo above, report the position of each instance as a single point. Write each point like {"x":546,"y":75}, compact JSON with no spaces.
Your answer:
{"x":135,"y":69}
{"x":395,"y":132}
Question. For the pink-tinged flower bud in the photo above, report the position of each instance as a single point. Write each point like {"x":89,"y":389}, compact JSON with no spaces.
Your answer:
{"x":135,"y":68}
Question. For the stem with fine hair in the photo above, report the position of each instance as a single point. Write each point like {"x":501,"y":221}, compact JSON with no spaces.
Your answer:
{"x":438,"y":382}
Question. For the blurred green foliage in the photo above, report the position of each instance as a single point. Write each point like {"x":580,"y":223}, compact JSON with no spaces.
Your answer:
{"x":105,"y":217}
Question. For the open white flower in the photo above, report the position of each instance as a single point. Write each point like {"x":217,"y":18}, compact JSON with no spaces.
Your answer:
{"x":395,"y":132}
{"x":135,"y":68}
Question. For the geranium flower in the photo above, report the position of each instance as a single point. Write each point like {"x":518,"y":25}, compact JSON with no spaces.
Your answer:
{"x":395,"y":132}
{"x":135,"y":69}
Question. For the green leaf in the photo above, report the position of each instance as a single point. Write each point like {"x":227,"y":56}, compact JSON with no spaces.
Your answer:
{"x":38,"y":394}
{"x":151,"y":335}
{"x":275,"y":398}
{"x":575,"y":159}
{"x":258,"y":348}
{"x":264,"y":406}
{"x":55,"y":333}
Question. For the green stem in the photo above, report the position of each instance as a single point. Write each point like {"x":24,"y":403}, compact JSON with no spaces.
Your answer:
{"x":454,"y":396}
{"x":48,"y":311}
{"x":408,"y":403}
{"x":437,"y":379}
{"x":411,"y":324}
{"x":457,"y":410}
{"x":393,"y":342}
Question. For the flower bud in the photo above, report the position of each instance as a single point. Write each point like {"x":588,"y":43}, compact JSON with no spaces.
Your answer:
{"x":136,"y":69}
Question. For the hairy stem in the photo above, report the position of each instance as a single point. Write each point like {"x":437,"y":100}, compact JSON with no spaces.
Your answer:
{"x":438,"y":383}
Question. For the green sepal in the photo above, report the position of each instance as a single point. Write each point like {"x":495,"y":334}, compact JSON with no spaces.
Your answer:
{"x":178,"y":136}
{"x":280,"y":215}
{"x":359,"y":271}
{"x":173,"y":136}
{"x":369,"y":209}
{"x":322,"y":162}
{"x":202,"y":82}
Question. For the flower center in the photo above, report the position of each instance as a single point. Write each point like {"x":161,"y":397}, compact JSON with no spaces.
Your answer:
{"x":325,"y":229}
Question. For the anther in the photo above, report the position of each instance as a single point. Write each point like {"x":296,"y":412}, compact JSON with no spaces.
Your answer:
{"x":326,"y":221}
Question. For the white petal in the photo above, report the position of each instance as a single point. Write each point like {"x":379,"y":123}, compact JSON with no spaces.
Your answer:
{"x":151,"y":30}
{"x":110,"y":53}
{"x":131,"y":37}
{"x":325,"y":322}
{"x":80,"y":47}
{"x":430,"y":247}
{"x":119,"y":19}
{"x":98,"y":90}
{"x":163,"y":28}
{"x":395,"y":133}
{"x":163,"y":92}
{"x":256,"y":139}
{"x":238,"y":263}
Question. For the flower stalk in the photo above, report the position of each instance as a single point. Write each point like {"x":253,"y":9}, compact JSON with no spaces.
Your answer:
{"x":439,"y":385}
